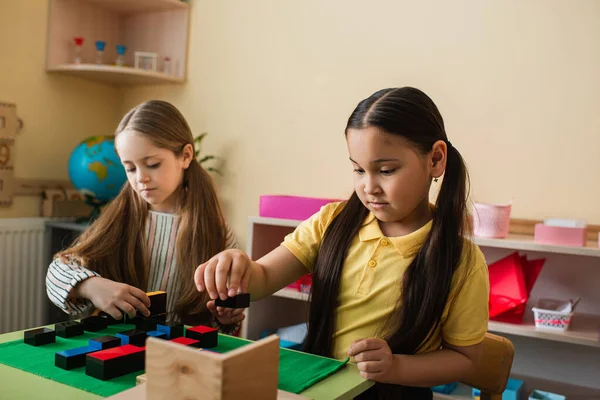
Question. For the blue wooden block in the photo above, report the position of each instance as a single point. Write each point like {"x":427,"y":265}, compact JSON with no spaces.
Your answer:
{"x":104,"y":342}
{"x":72,"y":358}
{"x":157,"y":334}
{"x":172,"y":330}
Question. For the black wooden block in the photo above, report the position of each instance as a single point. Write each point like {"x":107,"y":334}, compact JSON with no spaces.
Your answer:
{"x":207,"y":336}
{"x":73,"y":358}
{"x":158,"y":302}
{"x":145,"y":324}
{"x":39,"y":337}
{"x":134,"y":337}
{"x":172,"y":329}
{"x":111,"y":363}
{"x":69,"y":329}
{"x":94,"y":324}
{"x":104,"y":342}
{"x":242,"y":300}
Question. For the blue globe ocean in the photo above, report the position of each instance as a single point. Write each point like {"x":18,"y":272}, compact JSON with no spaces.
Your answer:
{"x":96,"y":171}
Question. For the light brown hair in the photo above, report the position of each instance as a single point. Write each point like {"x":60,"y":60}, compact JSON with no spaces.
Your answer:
{"x":115,"y":244}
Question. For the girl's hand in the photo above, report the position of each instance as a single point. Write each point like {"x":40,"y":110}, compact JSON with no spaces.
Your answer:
{"x":212,"y":276}
{"x":374,"y":359}
{"x":114,"y":298}
{"x":226,"y":316}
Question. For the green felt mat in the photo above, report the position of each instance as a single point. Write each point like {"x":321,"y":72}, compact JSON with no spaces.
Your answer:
{"x":297,"y":371}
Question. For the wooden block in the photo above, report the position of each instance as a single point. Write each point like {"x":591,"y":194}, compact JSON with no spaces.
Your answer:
{"x":208,"y":337}
{"x":73,"y":358}
{"x":172,"y":329}
{"x":187,"y":342}
{"x":133,"y":336}
{"x":114,"y":362}
{"x":94,"y":323}
{"x":157,"y":334}
{"x":104,"y":342}
{"x":145,"y":324}
{"x":178,"y":372}
{"x":158,"y":302}
{"x":69,"y":329}
{"x":39,"y":337}
{"x":241,"y":300}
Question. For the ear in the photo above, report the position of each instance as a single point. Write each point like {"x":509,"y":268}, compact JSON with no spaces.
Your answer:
{"x":438,"y":158}
{"x":187,"y":155}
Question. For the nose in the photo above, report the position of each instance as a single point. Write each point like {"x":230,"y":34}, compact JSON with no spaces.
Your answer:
{"x":142,"y":176}
{"x":371,"y":185}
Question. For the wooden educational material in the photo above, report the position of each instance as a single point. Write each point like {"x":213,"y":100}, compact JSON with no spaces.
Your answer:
{"x":179,"y":372}
{"x":150,"y":26}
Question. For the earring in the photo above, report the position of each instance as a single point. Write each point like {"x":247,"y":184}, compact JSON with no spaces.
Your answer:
{"x":435,"y":179}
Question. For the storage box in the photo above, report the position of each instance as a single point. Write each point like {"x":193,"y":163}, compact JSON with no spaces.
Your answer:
{"x":553,"y":314}
{"x":491,"y":220}
{"x":560,"y":235}
{"x":514,"y":390}
{"x":291,"y":207}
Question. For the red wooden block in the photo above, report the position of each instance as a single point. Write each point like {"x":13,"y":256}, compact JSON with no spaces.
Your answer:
{"x":115,"y":352}
{"x":186,"y":341}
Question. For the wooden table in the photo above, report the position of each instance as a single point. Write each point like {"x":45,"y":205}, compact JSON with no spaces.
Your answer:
{"x":16,"y":384}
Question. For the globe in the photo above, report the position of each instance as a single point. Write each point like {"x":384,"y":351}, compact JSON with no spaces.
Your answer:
{"x":96,"y":171}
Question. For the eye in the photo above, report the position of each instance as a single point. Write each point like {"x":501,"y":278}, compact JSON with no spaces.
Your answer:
{"x":387,"y":171}
{"x":154,"y":166}
{"x":359,"y":171}
{"x":129,"y":170}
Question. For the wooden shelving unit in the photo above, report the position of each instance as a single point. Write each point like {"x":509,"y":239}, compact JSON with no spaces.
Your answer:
{"x":288,"y":306}
{"x":156,"y":26}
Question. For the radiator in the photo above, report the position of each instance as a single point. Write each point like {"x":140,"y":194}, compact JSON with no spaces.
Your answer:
{"x":23,"y":265}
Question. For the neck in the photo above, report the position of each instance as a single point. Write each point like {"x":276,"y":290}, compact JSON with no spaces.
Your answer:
{"x":416,"y":219}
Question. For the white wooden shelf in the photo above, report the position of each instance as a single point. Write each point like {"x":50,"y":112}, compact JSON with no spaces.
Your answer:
{"x":526,"y":243}
{"x":139,"y":6}
{"x":115,"y":75}
{"x":514,"y":242}
{"x":584,"y":329}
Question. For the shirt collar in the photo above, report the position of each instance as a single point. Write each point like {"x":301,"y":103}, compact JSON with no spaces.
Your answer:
{"x":406,"y":245}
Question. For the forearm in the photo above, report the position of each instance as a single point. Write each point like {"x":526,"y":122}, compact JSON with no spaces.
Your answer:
{"x":273,"y":272}
{"x":62,"y":282}
{"x":431,"y":369}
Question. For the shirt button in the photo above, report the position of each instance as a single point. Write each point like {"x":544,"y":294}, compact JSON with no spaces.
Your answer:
{"x":372,"y":263}
{"x":384,"y":242}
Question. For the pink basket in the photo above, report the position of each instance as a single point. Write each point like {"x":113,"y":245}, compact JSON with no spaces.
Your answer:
{"x":291,"y":207}
{"x":491,"y":220}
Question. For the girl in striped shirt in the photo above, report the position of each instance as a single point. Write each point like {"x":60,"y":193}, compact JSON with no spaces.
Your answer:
{"x":163,"y":224}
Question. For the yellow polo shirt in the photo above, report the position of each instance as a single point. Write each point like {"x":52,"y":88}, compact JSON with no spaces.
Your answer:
{"x":372,"y":277}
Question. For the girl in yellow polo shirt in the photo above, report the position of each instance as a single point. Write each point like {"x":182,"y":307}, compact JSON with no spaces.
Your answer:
{"x":396,"y":285}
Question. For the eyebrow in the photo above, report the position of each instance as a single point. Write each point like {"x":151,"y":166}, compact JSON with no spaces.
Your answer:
{"x":379,"y":160}
{"x":143,"y":159}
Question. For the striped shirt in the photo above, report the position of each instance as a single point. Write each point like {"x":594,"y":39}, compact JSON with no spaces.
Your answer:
{"x":161,"y":232}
